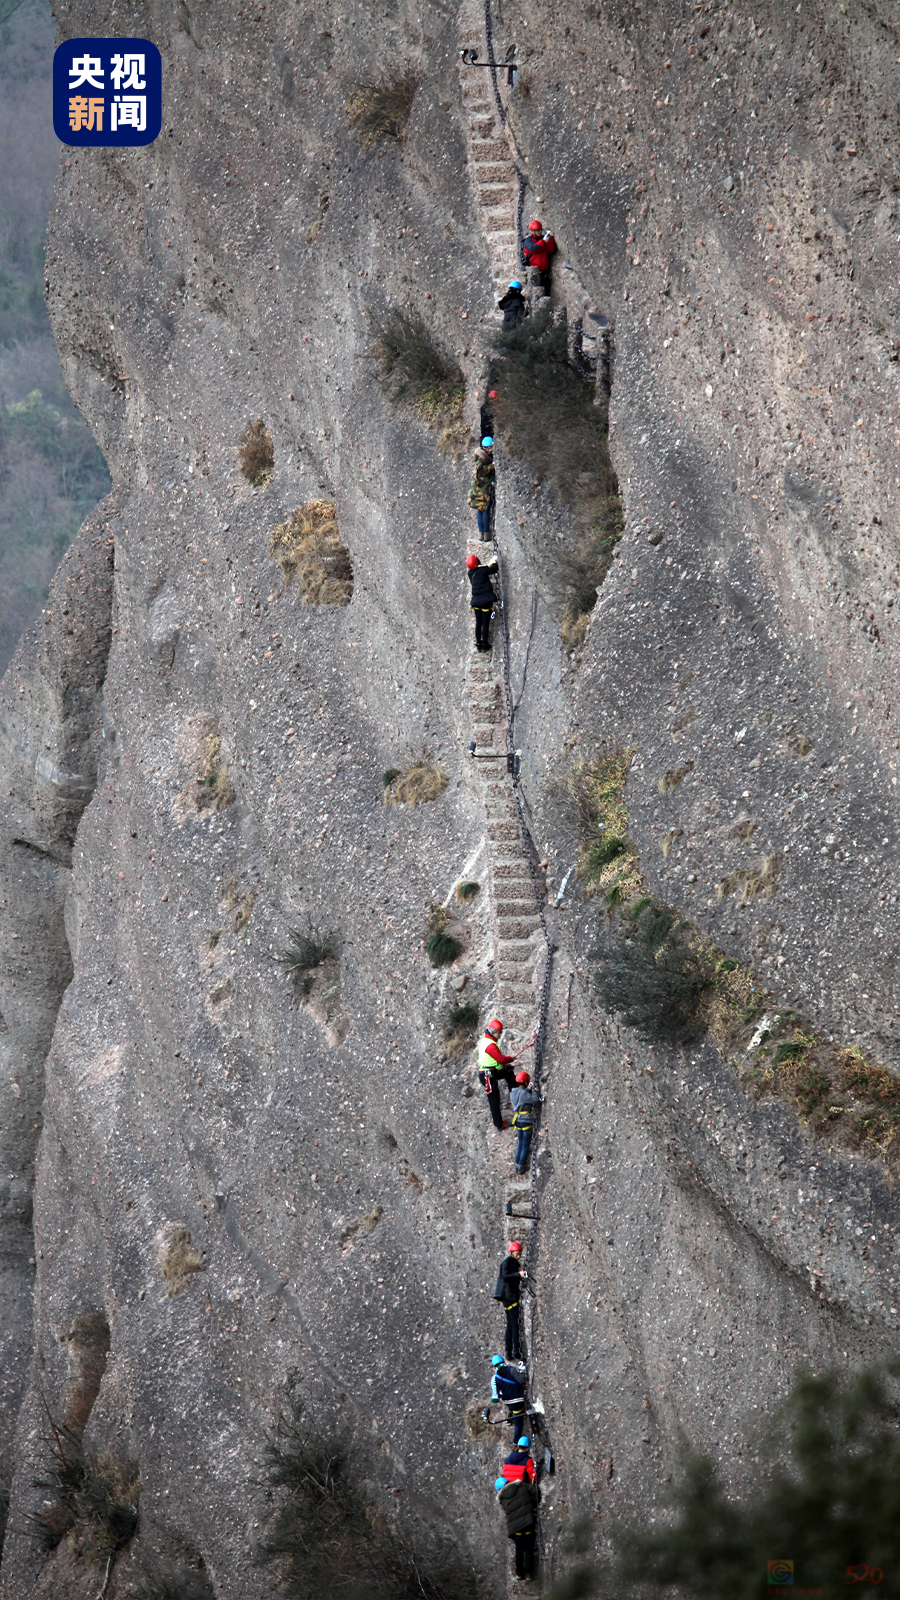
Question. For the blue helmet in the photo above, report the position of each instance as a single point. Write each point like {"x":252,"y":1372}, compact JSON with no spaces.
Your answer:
{"x":524,"y":1443}
{"x":514,"y":283}
{"x":499,"y":1483}
{"x":487,"y":442}
{"x":496,"y":1361}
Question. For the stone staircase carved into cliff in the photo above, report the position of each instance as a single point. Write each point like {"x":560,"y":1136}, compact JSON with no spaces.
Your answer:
{"x":490,"y":160}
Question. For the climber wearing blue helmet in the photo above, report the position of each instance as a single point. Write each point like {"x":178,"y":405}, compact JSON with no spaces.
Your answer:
{"x":507,"y":1388}
{"x":481,"y":494}
{"x":513,"y":305}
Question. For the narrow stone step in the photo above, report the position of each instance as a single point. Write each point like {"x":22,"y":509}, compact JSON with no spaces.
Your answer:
{"x":516,"y":1187}
{"x":513,"y":994}
{"x":513,"y":950}
{"x":495,"y":193}
{"x":516,"y":927}
{"x":503,"y":830}
{"x":515,"y":908}
{"x":494,"y":172}
{"x":512,"y":860}
{"x":489,"y":150}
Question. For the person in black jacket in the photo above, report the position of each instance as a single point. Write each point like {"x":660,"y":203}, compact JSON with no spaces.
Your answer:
{"x":518,"y":1502}
{"x":482,"y":601}
{"x":513,"y":305}
{"x":511,"y":1274}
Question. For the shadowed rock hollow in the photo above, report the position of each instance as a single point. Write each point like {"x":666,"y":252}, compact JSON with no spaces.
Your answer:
{"x":723,"y":183}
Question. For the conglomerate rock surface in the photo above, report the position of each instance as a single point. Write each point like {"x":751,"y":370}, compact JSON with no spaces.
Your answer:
{"x":724,"y":181}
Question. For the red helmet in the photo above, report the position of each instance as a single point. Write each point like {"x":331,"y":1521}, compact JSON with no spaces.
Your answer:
{"x":494,"y":1026}
{"x":515,"y":1249}
{"x":535,"y":224}
{"x":472,"y":562}
{"x":522,"y":1077}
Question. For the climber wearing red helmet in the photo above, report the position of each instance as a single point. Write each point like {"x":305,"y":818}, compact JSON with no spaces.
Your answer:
{"x":482,"y":601}
{"x":511,"y":1274}
{"x":537,"y":250}
{"x":494,"y":1065}
{"x":523,"y":1101}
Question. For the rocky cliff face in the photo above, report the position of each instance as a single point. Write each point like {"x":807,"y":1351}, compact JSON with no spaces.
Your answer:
{"x":231,"y":1181}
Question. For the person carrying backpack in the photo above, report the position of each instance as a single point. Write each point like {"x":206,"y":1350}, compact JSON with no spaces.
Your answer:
{"x":518,"y":1502}
{"x":481,"y":494}
{"x":507,"y":1388}
{"x":523,"y":1101}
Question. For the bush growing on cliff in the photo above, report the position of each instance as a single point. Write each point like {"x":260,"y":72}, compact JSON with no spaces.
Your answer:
{"x":324,"y":1542}
{"x":309,"y":547}
{"x":95,"y":1500}
{"x":256,"y":453}
{"x":828,"y":1512}
{"x":418,"y":373}
{"x":305,"y":952}
{"x":379,"y":111}
{"x":656,"y":974}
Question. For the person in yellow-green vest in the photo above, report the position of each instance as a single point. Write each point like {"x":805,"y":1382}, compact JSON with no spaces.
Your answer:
{"x":494,"y":1065}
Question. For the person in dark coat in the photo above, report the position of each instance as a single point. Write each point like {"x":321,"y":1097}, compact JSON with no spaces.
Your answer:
{"x":519,"y":1501}
{"x":513,"y":305}
{"x":511,"y":1274}
{"x":483,"y":599}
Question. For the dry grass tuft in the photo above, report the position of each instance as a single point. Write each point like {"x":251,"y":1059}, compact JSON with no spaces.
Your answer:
{"x":416,"y":785}
{"x":256,"y":453}
{"x":675,"y":775}
{"x":458,"y":1031}
{"x":609,"y":861}
{"x":180,"y":1261}
{"x":308,"y":547}
{"x":215,"y":791}
{"x":380,"y":111}
{"x":761,"y":880}
{"x":667,"y":841}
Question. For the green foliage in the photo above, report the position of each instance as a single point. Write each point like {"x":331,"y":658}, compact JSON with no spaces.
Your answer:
{"x":442,"y":949}
{"x":599,"y":855}
{"x":323,"y":1542}
{"x":830,"y":1502}
{"x":655,"y":974}
{"x":466,"y":892}
{"x":463,"y":1017}
{"x":388,"y":777}
{"x":305,"y":952}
